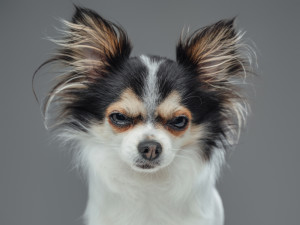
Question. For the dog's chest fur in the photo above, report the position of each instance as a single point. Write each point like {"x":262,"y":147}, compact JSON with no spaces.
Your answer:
{"x":175,"y":196}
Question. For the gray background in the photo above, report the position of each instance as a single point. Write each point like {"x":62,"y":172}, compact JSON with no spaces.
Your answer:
{"x":261,"y":184}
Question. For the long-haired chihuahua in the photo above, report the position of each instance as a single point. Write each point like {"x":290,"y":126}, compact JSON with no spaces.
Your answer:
{"x":150,"y":133}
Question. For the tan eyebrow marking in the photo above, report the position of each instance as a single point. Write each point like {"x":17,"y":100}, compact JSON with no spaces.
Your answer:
{"x":130,"y":105}
{"x":171,"y":107}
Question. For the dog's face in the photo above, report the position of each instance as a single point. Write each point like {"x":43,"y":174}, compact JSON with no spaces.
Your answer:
{"x":151,"y":112}
{"x":147,"y":109}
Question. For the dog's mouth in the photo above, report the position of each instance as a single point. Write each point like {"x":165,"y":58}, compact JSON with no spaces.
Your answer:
{"x":146,"y":165}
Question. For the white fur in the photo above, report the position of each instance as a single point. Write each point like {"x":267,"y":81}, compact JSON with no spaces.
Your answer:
{"x":131,"y":140}
{"x":151,"y":88}
{"x":181,"y":192}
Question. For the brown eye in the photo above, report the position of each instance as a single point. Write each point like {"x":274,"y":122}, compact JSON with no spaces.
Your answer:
{"x":120,"y":119}
{"x":178,"y":123}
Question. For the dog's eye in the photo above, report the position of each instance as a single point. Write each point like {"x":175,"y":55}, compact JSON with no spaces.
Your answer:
{"x":120,"y":119}
{"x":178,"y":123}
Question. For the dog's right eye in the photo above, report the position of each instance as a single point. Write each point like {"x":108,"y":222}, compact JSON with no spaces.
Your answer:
{"x":120,"y":119}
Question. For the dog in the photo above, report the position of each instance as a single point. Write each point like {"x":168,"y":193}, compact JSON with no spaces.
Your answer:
{"x":149,"y":133}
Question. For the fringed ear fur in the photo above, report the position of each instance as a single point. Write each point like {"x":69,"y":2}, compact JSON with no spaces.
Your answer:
{"x":92,"y":44}
{"x":220,"y":61}
{"x":214,"y":53}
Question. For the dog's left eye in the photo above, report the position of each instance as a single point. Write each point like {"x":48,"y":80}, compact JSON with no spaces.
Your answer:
{"x":120,"y":119}
{"x":178,"y":123}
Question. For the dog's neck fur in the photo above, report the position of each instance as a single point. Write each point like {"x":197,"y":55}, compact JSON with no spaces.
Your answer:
{"x":184,"y":194}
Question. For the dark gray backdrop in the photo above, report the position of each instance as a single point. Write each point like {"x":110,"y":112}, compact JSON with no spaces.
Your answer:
{"x":260,"y":186}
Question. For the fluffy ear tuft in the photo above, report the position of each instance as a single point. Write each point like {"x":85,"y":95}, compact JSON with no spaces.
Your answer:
{"x":92,"y":45}
{"x":213,"y":52}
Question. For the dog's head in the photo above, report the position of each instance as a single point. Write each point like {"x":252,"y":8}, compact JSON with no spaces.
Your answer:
{"x":148,"y":109}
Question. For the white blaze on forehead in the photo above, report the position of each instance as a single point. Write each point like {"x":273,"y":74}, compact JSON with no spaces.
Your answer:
{"x":151,"y":93}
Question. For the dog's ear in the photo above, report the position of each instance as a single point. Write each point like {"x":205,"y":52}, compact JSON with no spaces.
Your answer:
{"x":90,"y":49}
{"x":213,"y":53}
{"x":92,"y":45}
{"x":219,"y":60}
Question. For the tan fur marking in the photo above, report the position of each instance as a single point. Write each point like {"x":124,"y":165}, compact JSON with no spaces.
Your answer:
{"x":129,"y":105}
{"x":117,"y":129}
{"x":176,"y":132}
{"x":170,"y":108}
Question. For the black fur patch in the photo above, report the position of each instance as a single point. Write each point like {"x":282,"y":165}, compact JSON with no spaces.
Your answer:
{"x":92,"y":102}
{"x":204,"y":106}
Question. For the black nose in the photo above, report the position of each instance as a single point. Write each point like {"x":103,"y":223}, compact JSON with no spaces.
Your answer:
{"x":149,"y":150}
